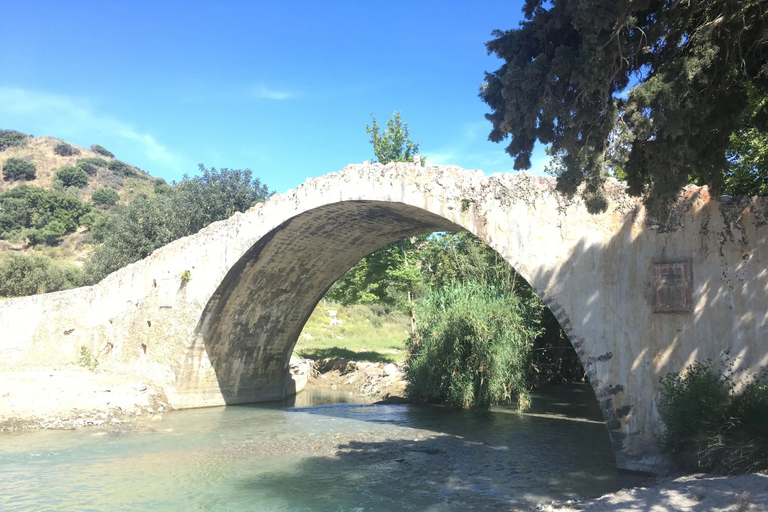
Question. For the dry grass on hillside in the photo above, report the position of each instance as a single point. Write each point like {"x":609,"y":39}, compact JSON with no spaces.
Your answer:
{"x":40,"y":151}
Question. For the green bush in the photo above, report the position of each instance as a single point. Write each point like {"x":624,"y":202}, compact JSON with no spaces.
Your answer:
{"x":101,"y":150}
{"x":11,"y":138}
{"x":121,"y":168}
{"x":91,"y":165}
{"x":474,"y":346}
{"x":713,"y":425}
{"x":105,"y":197}
{"x":19,"y":169}
{"x":146,"y":224}
{"x":27,"y":210}
{"x":22,"y":274}
{"x":99,"y":225}
{"x":70,"y":176}
{"x":64,"y":149}
{"x":160,"y":186}
{"x":48,"y":234}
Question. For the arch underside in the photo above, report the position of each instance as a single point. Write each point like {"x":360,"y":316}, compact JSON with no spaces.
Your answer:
{"x":251,"y":324}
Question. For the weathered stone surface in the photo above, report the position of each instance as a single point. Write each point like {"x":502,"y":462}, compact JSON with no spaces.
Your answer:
{"x":226,"y":335}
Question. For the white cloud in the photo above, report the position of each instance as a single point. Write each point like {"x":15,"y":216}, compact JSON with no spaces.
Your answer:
{"x":263,"y":92}
{"x":65,"y":117}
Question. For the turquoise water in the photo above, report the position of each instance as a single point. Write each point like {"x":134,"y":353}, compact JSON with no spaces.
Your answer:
{"x":313,"y":457}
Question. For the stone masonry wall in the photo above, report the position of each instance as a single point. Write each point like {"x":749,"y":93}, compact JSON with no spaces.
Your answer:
{"x":637,"y":297}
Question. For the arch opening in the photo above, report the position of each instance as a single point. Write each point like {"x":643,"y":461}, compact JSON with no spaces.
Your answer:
{"x":248,"y":329}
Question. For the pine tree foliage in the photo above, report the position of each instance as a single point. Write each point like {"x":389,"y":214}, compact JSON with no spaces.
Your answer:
{"x":653,"y":88}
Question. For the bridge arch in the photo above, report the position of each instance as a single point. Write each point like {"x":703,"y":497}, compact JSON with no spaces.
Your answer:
{"x":224,"y":335}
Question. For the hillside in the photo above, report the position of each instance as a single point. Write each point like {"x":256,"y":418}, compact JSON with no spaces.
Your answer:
{"x":104,"y":172}
{"x":40,"y":151}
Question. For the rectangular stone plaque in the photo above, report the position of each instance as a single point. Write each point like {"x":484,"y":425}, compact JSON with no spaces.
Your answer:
{"x":672,"y":287}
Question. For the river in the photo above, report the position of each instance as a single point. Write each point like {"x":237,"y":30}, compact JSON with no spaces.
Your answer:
{"x":314,"y":455}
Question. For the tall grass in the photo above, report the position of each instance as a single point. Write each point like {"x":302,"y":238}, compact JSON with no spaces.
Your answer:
{"x":713,"y":424}
{"x":363,"y":334}
{"x":474,"y":346}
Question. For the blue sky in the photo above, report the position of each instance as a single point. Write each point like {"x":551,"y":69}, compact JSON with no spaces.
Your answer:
{"x":283,"y":88}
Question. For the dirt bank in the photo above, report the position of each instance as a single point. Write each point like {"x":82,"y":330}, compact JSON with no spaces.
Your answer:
{"x":745,"y":493}
{"x":72,"y":398}
{"x":381,"y":381}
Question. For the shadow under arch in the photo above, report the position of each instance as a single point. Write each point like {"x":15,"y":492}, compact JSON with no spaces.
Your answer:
{"x":249,"y":327}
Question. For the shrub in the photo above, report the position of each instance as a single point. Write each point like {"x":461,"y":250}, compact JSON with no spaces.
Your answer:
{"x":64,"y":149}
{"x":48,"y":234}
{"x":11,"y":138}
{"x":87,"y":359}
{"x":91,"y":165}
{"x":28,"y":210}
{"x":70,"y":176}
{"x":19,"y":169}
{"x":160,"y":186}
{"x":474,"y":346}
{"x":101,"y":150}
{"x":146,"y":224}
{"x":105,"y":197}
{"x":22,"y":274}
{"x":712,"y":425}
{"x":99,"y":225}
{"x":121,"y":168}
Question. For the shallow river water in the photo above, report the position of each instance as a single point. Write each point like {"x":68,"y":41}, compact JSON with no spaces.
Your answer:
{"x":313,"y":457}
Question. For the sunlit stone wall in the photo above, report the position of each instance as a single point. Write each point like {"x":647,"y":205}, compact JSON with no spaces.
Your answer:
{"x":637,"y":297}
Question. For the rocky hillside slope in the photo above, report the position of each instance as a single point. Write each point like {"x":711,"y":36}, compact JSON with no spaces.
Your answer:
{"x":106,"y":173}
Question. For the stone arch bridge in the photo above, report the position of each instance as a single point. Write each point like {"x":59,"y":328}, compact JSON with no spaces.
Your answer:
{"x":637,"y":298}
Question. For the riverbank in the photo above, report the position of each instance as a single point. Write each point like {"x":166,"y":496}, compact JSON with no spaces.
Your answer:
{"x":63,"y":399}
{"x":743,"y":493}
{"x":379,"y":381}
{"x":50,"y":398}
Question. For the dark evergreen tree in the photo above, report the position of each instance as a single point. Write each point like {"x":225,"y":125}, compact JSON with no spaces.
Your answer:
{"x":567,"y":81}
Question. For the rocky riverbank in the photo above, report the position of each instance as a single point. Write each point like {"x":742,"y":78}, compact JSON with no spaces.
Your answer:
{"x":50,"y":398}
{"x":54,"y":398}
{"x":379,"y":381}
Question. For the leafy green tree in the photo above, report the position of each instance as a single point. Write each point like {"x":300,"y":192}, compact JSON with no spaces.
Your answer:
{"x":101,"y":150}
{"x":26,"y":210}
{"x":747,"y":172}
{"x":384,"y":276}
{"x":137,"y":229}
{"x":105,"y":197}
{"x":19,"y":169}
{"x":99,"y":224}
{"x":393,"y":144}
{"x":22,"y":274}
{"x":146,"y":224}
{"x":567,"y":81}
{"x":71,"y":176}
{"x":214,"y":195}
